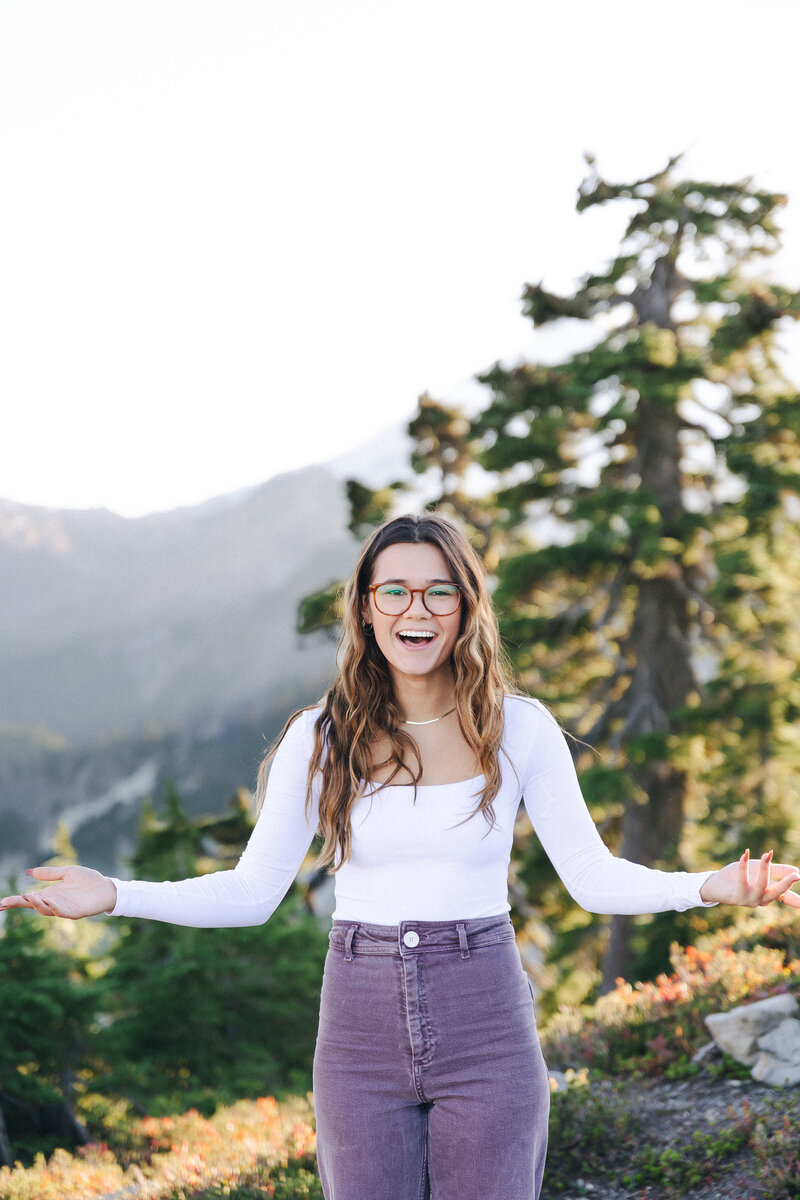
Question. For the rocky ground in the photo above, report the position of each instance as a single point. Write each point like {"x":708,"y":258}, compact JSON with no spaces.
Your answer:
{"x":671,"y":1112}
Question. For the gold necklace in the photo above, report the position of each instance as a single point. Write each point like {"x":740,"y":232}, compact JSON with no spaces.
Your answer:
{"x":433,"y":720}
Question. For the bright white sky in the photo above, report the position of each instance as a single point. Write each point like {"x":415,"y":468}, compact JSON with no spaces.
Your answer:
{"x":243,"y":235}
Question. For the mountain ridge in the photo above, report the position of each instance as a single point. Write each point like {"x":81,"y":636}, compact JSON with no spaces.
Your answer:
{"x":108,"y":624}
{"x":164,"y":648}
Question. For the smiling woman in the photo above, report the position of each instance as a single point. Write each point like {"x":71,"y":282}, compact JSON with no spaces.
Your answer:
{"x":428,"y":1077}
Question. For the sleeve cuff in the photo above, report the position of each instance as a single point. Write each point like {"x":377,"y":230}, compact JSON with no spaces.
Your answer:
{"x":687,"y":890}
{"x":116,"y":911}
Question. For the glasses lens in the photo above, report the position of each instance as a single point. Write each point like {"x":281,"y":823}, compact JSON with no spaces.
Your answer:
{"x":442,"y":599}
{"x":392,"y":599}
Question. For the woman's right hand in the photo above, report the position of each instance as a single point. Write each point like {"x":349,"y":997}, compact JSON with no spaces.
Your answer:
{"x":74,"y":892}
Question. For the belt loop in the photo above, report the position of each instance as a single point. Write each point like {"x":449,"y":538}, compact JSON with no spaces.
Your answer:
{"x":462,"y":941}
{"x":348,"y":943}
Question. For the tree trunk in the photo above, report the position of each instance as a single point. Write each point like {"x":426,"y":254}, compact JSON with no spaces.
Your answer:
{"x":6,"y":1153}
{"x":662,"y":672}
{"x":662,"y":680}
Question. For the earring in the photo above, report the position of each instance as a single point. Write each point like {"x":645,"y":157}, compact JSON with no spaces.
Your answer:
{"x":366,"y":627}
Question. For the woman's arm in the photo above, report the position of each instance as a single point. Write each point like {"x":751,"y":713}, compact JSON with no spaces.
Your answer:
{"x":247,"y":895}
{"x":597,"y":879}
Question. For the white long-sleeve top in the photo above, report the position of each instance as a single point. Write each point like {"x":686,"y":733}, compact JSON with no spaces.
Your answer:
{"x":424,"y":857}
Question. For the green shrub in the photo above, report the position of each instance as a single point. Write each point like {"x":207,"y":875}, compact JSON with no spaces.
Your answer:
{"x":589,"y":1126}
{"x":776,"y":1148}
{"x":675,"y":1169}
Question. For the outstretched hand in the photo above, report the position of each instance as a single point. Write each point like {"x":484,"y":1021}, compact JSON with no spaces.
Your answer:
{"x":74,"y":892}
{"x":739,"y":883}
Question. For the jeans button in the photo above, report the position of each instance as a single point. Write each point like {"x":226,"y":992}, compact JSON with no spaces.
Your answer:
{"x":411,"y":938}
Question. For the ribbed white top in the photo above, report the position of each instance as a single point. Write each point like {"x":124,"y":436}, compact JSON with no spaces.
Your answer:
{"x":423,"y":857}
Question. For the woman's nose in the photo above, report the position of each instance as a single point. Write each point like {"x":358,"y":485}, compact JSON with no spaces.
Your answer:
{"x":417,"y":608}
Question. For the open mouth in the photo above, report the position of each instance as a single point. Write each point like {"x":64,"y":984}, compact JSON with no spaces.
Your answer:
{"x":416,"y":638}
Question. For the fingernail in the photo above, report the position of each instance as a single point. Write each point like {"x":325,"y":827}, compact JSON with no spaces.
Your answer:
{"x":29,"y":871}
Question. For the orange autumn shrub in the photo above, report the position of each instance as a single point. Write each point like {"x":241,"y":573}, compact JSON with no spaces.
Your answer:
{"x":241,"y":1145}
{"x":657,"y":1026}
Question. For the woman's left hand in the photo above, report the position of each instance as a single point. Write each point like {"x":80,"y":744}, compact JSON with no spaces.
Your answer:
{"x":738,"y":883}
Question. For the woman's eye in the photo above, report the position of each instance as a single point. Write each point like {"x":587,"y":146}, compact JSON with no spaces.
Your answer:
{"x":396,"y":591}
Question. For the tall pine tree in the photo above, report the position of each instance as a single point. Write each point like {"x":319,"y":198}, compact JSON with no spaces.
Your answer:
{"x":648,"y":485}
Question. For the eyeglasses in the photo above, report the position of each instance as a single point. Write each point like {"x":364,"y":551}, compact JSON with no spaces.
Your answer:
{"x":393,"y":599}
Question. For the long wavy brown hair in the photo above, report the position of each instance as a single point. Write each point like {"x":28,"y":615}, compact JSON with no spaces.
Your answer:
{"x":360,"y":709}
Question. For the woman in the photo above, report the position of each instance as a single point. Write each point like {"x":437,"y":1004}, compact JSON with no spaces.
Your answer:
{"x":428,"y":1077}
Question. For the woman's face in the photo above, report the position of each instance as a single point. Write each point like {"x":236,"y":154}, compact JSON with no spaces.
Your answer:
{"x":415,"y":565}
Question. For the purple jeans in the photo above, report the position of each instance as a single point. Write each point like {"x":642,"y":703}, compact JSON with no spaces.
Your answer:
{"x":429,"y":1082}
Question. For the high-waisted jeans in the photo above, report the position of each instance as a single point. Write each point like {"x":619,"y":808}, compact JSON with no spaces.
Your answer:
{"x":429,"y":1082}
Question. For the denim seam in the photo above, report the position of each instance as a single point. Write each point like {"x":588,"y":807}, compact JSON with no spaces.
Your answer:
{"x":424,"y":1187}
{"x":425,"y":1022}
{"x":415,"y":1066}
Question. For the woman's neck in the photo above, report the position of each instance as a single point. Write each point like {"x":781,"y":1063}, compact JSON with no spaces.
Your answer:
{"x":425,"y":698}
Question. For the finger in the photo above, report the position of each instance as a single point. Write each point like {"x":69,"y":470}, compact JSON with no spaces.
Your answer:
{"x":14,"y":902}
{"x":780,"y":869}
{"x":787,"y":877}
{"x":778,"y":890}
{"x":782,"y":877}
{"x":47,"y":874}
{"x":38,"y":903}
{"x":792,"y":899}
{"x":744,"y":872}
{"x":763,"y":877}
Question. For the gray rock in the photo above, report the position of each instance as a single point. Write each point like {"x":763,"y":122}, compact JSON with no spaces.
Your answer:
{"x":776,"y":1071}
{"x":738,"y":1031}
{"x":784,"y":1040}
{"x":779,"y":1061}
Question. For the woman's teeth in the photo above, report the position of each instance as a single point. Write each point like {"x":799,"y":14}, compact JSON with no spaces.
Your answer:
{"x":415,"y":637}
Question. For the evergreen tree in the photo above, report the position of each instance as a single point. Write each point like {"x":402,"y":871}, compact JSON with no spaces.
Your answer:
{"x":204,"y":1016}
{"x":646,"y":486}
{"x":46,"y":1009}
{"x":444,"y":451}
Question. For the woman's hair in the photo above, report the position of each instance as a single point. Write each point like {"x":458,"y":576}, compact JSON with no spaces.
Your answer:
{"x":361,"y":709}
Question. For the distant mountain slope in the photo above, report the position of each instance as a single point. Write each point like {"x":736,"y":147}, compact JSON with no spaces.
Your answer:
{"x":97,"y":792}
{"x":111,"y":626}
{"x":133,"y":652}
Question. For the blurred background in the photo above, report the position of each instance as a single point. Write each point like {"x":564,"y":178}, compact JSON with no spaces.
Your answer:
{"x":239,"y":243}
{"x":272,"y":272}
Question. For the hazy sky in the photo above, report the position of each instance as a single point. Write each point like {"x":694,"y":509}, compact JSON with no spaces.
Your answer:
{"x":237,"y":237}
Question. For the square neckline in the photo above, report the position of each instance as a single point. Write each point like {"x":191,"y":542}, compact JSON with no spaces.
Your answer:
{"x":373,"y":786}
